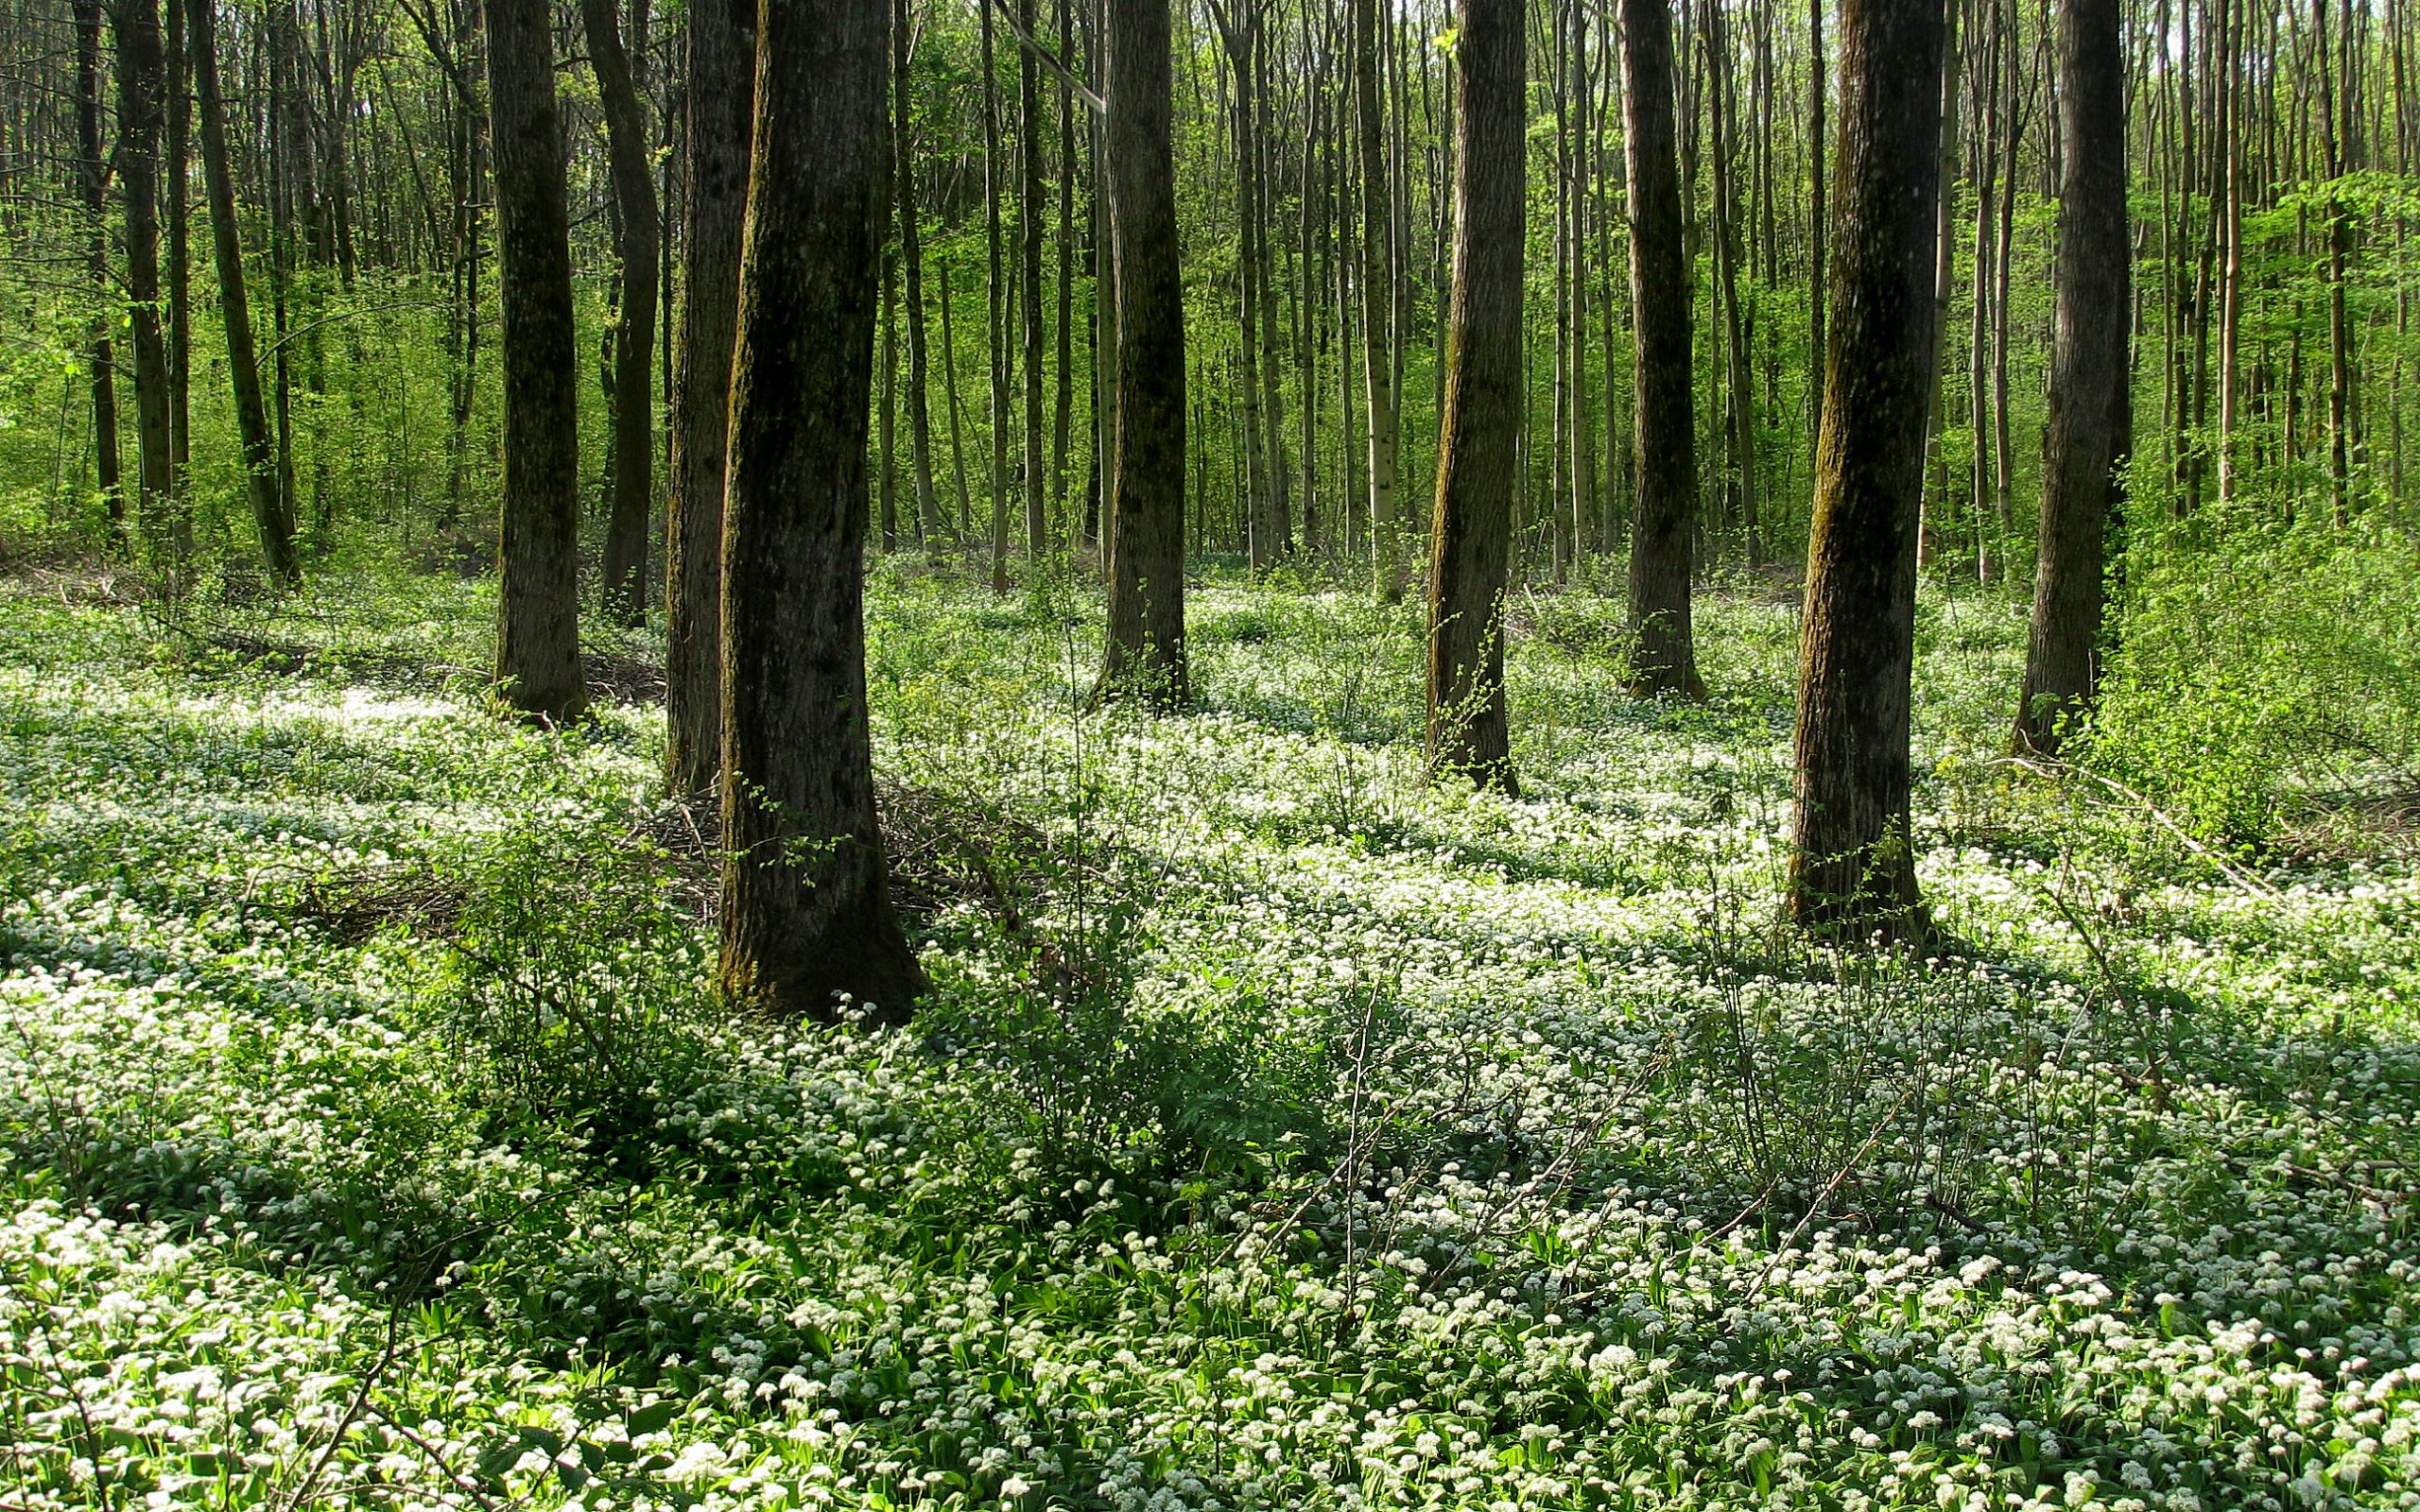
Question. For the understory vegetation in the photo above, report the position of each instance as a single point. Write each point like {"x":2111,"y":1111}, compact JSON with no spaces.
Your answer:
{"x":1282,"y":1131}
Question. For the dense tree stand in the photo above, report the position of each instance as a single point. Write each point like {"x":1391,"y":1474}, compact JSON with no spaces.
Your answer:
{"x":2091,"y":402}
{"x":806,"y":910}
{"x":1478,"y":446}
{"x":537,"y":642}
{"x":1852,"y":870}
{"x":1145,"y":657}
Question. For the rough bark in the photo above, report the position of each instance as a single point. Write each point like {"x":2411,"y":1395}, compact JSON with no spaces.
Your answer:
{"x":808,"y":921}
{"x":1378,"y":313}
{"x":2091,"y":412}
{"x":1664,"y":528}
{"x":141,"y":108}
{"x":273,"y":507}
{"x":911,"y":262}
{"x":537,"y":645}
{"x":722,"y":97}
{"x":1479,"y":441}
{"x":1145,"y":657}
{"x":92,"y":166}
{"x":636,"y":249}
{"x":1853,"y":868}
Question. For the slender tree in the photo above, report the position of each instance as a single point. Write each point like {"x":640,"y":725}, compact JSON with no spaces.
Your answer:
{"x":92,"y":176}
{"x":1664,"y":528}
{"x":721,"y":43}
{"x":1144,"y":656}
{"x":272,"y":505}
{"x":1377,"y":301}
{"x":806,"y":913}
{"x":141,"y":109}
{"x":629,"y":154}
{"x":1479,"y":443}
{"x":537,"y":645}
{"x":2091,"y":419}
{"x":911,"y":262}
{"x":1853,"y":864}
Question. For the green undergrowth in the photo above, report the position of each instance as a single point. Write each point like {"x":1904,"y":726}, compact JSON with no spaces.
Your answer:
{"x":1282,"y":1132}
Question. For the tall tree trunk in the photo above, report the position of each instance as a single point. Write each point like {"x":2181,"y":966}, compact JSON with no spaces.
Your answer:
{"x":1030,"y":231}
{"x":141,"y":108}
{"x":1819,"y":222}
{"x":636,"y":249}
{"x":1064,"y":398}
{"x":912,"y":259}
{"x":273,"y":507}
{"x":1663,"y":537}
{"x":179,"y":296}
{"x":807,"y":922}
{"x":996,"y":304}
{"x":957,"y":408}
{"x":721,"y":41}
{"x":2091,"y":421}
{"x":1852,"y":865}
{"x":537,"y":644}
{"x":1144,"y":656}
{"x":1272,"y":408}
{"x":1478,"y":441}
{"x":94,"y":172}
{"x":1377,"y":304}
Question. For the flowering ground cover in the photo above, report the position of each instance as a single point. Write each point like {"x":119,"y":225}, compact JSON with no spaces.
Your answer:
{"x":1282,"y":1132}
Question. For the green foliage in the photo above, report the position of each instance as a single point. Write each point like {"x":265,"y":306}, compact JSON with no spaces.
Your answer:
{"x":2258,"y":673}
{"x":1282,"y":1131}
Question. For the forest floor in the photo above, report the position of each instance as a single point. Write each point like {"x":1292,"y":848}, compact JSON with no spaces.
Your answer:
{"x":1282,"y":1132}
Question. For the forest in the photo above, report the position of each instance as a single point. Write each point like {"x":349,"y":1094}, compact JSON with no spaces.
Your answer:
{"x":1192,"y":755}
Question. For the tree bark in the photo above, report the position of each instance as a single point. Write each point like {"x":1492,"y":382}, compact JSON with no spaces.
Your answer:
{"x":1479,"y":441}
{"x":537,"y":645}
{"x":93,"y":177}
{"x":1663,"y":535}
{"x":636,"y":249}
{"x":273,"y":507}
{"x":2091,"y":409}
{"x":1030,"y":235}
{"x":912,"y":259}
{"x":1852,"y":865}
{"x":807,"y":922}
{"x":140,"y":111}
{"x":722,"y":97}
{"x":1378,"y":299}
{"x":995,"y":304}
{"x":179,"y":302}
{"x":1145,"y":657}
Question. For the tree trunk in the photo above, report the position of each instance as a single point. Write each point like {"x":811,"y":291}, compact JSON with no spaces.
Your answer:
{"x":272,"y":508}
{"x":2090,"y":396}
{"x":636,"y":249}
{"x":537,"y":646}
{"x":180,"y":298}
{"x":1144,"y":656}
{"x":995,"y":304}
{"x":1478,"y":441}
{"x":807,"y":922}
{"x":141,"y":100}
{"x":1663,"y":537}
{"x":912,"y":259}
{"x":722,"y":97}
{"x":1377,"y":301}
{"x":94,"y":166}
{"x":1030,"y":235}
{"x":1853,"y":864}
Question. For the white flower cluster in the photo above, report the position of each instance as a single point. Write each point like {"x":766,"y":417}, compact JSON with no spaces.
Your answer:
{"x":1284,"y":1132}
